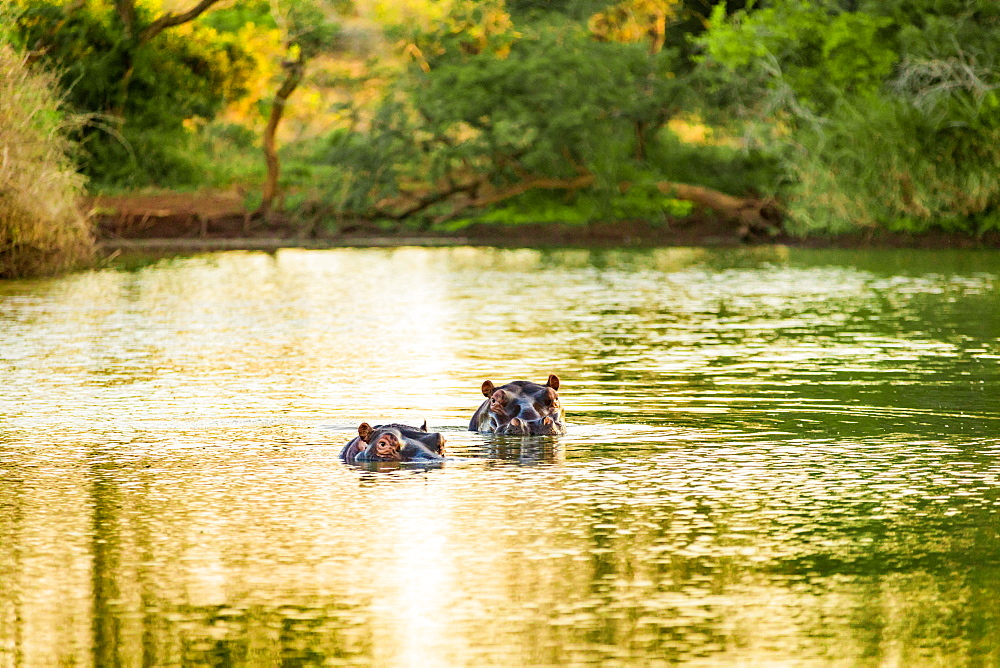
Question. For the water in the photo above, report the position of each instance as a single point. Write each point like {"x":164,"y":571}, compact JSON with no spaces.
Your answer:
{"x":775,"y":456}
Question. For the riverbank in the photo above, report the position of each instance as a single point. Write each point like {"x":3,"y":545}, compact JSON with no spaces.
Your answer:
{"x":200,"y":222}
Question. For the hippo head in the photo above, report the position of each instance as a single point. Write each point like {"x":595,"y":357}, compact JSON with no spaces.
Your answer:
{"x":394,"y":443}
{"x":520,"y":408}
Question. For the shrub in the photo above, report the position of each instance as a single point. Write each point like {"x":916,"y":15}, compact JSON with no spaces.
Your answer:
{"x":888,"y":116}
{"x":41,"y":228}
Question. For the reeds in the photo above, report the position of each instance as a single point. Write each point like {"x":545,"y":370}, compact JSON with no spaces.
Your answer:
{"x":42,"y":229}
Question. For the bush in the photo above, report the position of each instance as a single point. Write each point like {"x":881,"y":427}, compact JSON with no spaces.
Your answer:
{"x":41,"y":228}
{"x":885,"y":163}
{"x":888,"y":116}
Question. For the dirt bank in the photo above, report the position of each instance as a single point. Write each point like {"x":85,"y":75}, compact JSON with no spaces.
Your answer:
{"x":220,"y":220}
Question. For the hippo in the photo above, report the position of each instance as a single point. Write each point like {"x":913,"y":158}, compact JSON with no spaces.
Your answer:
{"x":393,"y":443}
{"x":520,"y":408}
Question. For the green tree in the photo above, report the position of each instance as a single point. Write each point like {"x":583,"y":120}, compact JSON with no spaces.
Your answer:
{"x":556,"y":112}
{"x":308,"y":32}
{"x":138,"y":77}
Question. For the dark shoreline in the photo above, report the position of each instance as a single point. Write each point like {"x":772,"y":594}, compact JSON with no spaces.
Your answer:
{"x":532,"y":236}
{"x":178,"y":223}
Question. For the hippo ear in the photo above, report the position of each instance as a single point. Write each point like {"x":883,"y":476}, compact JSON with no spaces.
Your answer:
{"x":488,"y":388}
{"x":365,"y":431}
{"x":553,"y":381}
{"x":423,"y":427}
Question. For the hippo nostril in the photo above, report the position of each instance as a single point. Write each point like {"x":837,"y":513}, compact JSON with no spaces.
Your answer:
{"x":516,"y":422}
{"x":548,"y":422}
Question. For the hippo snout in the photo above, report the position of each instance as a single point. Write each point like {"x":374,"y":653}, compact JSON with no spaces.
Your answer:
{"x":516,"y":427}
{"x":541,"y":427}
{"x":548,"y":426}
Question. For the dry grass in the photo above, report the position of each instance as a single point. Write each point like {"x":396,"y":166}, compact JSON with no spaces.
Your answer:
{"x":42,"y":230}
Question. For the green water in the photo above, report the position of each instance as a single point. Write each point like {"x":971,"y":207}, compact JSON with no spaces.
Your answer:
{"x":774,"y":457}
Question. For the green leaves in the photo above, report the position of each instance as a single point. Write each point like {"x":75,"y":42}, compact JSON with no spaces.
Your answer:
{"x":558,"y":102}
{"x":810,"y":47}
{"x":309,"y":28}
{"x":558,"y":111}
{"x":887,"y":115}
{"x":137,"y":95}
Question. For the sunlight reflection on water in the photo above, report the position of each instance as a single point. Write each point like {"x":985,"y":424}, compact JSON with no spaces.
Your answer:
{"x":774,"y":456}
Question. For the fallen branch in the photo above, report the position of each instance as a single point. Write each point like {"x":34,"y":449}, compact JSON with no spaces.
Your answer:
{"x":397,"y":209}
{"x":539,"y":183}
{"x":754,"y":215}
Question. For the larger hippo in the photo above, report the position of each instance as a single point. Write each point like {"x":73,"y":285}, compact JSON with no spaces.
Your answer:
{"x":520,"y":408}
{"x":393,"y":443}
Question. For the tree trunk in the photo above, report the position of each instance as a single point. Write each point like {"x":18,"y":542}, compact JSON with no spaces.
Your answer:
{"x":293,"y":76}
{"x":126,"y":12}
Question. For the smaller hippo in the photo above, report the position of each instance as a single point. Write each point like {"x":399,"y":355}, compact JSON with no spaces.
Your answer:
{"x":393,"y":443}
{"x":520,"y":408}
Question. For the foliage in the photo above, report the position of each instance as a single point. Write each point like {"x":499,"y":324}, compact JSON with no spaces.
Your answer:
{"x":574,"y":9}
{"x":726,"y":168}
{"x":646,"y":204}
{"x":805,"y":55}
{"x":886,"y":116}
{"x":558,"y":102}
{"x":558,"y":106}
{"x":41,"y":228}
{"x":138,"y":96}
{"x":855,"y":113}
{"x":635,"y":21}
{"x":468,"y":28}
{"x":234,"y":18}
{"x":885,"y":163}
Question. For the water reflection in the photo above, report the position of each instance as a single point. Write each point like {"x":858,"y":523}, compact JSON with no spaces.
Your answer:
{"x":775,"y":457}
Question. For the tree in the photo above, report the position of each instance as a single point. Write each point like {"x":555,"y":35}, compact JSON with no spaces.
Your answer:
{"x":137,"y":79}
{"x":556,"y":112}
{"x":308,"y":32}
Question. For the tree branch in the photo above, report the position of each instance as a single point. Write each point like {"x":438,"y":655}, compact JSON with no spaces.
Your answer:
{"x":753,"y":215}
{"x":474,"y":202}
{"x":170,"y":20}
